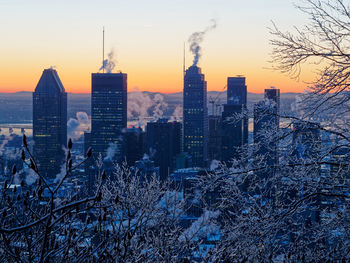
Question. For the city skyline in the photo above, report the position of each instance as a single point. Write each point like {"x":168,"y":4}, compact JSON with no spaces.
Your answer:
{"x":147,"y":39}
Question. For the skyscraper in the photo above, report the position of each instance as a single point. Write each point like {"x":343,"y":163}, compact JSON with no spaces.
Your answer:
{"x":306,"y":140}
{"x":235,"y":120}
{"x":273,"y":95}
{"x":306,"y":150}
{"x":133,"y":143}
{"x":233,"y":134}
{"x":49,"y":123}
{"x":108,"y":114}
{"x":163,"y":140}
{"x":195,"y":116}
{"x":266,"y":127}
{"x":236,"y":91}
{"x":214,"y":138}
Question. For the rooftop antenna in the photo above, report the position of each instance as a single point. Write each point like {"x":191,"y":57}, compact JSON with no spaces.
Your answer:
{"x":103,"y":50}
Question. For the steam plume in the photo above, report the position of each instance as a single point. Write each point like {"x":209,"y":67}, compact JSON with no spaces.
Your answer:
{"x":76,"y":127}
{"x":61,"y":174}
{"x":160,"y":105}
{"x":2,"y":145}
{"x":214,"y":164}
{"x":11,"y":153}
{"x":109,"y":63}
{"x":195,"y":40}
{"x":112,"y":149}
{"x":4,"y":142}
{"x":138,"y":104}
{"x":31,"y":177}
{"x":177,"y":114}
{"x":141,"y":105}
{"x":152,"y":152}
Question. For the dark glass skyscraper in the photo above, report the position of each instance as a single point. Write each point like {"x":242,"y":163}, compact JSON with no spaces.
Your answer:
{"x":306,"y":140}
{"x":214,"y":141}
{"x":133,"y":143}
{"x":49,"y":123}
{"x":273,"y":95}
{"x":235,"y":120}
{"x":195,"y":116}
{"x":108,"y":114}
{"x":266,"y":127}
{"x":163,"y":140}
{"x":307,"y":147}
{"x":236,"y":91}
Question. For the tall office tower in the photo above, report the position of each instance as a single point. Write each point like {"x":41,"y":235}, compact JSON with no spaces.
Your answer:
{"x":340,"y":170}
{"x":195,"y":116}
{"x":214,"y":142}
{"x":133,"y":139}
{"x":306,"y":149}
{"x":163,"y":140}
{"x":235,"y":120}
{"x":306,"y":140}
{"x":49,"y":123}
{"x":266,"y":128}
{"x":89,"y":169}
{"x":273,"y":95}
{"x":236,"y":91}
{"x":108,"y":114}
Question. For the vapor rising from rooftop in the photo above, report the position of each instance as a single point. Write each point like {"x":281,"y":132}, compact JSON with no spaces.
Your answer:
{"x":109,"y":63}
{"x":196,"y":39}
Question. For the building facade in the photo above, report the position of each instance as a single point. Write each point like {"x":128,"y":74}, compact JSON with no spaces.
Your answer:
{"x":235,"y":120}
{"x":133,"y":141}
{"x":164,"y":144}
{"x":195,"y":116}
{"x":236,"y":91}
{"x":49,"y":123}
{"x":266,"y":128}
{"x":108,"y":114}
{"x":214,"y":141}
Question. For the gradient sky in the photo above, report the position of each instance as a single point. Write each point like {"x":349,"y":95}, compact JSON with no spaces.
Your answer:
{"x":147,"y":38}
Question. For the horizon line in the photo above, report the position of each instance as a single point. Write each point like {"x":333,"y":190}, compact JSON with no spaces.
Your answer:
{"x":25,"y":91}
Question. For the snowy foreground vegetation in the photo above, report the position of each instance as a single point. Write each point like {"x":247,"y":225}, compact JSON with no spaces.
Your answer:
{"x":249,"y":212}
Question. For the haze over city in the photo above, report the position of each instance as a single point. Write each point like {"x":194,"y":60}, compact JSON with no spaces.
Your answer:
{"x":147,"y":39}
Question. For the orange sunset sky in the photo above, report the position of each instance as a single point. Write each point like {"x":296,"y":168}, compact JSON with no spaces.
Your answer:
{"x":147,"y":38}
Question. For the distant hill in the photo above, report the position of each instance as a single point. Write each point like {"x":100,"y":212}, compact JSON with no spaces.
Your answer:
{"x":17,"y":107}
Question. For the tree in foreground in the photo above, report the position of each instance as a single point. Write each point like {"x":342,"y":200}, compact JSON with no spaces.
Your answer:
{"x":126,"y":219}
{"x":300,"y":211}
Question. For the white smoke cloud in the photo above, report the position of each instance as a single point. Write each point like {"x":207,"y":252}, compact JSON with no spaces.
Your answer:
{"x":11,"y":153}
{"x":196,"y":39}
{"x":177,"y":114}
{"x":61,"y":174}
{"x":5,"y":142}
{"x":112,"y":149}
{"x":31,"y":177}
{"x":17,"y":177}
{"x":140,"y":105}
{"x":145,"y":157}
{"x":109,"y":63}
{"x":214,"y":164}
{"x":159,"y":106}
{"x":2,"y":146}
{"x":77,"y":127}
{"x":152,"y":152}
